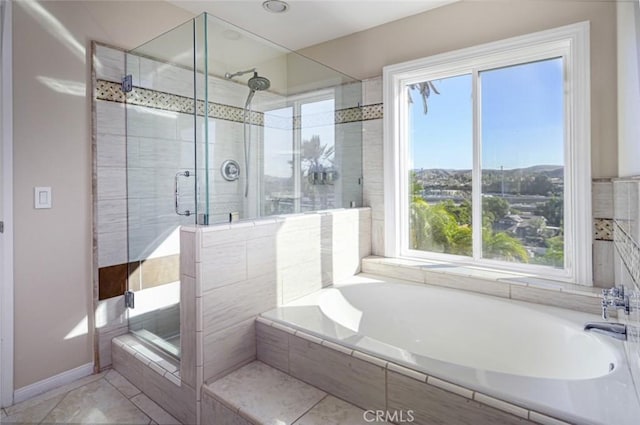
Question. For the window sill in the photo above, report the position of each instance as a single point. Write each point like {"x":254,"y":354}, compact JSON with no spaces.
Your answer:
{"x":511,"y":285}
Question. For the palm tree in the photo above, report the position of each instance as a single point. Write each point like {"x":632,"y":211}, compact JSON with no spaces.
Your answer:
{"x":503,"y":246}
{"x":316,"y":155}
{"x":425,"y":89}
{"x":433,"y":228}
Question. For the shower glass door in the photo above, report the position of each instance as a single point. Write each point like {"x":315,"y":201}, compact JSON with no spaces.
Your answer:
{"x":161,"y":180}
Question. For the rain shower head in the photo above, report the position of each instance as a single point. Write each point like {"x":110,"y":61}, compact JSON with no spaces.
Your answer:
{"x":258,"y":83}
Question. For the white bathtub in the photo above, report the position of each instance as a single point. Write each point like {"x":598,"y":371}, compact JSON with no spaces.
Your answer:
{"x":534,"y":356}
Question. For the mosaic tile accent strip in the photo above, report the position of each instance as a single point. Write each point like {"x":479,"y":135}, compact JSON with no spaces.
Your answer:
{"x":107,"y":90}
{"x":348,"y":115}
{"x":112,"y":92}
{"x":372,"y":112}
{"x":363,"y":113}
{"x":603,"y":229}
{"x":628,"y":249}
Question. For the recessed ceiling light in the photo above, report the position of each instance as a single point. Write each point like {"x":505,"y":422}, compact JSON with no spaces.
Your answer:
{"x":275,"y":6}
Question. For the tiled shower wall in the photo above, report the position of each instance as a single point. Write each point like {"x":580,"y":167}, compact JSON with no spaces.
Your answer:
{"x":233,"y":272}
{"x":373,"y":191}
{"x":626,"y":197}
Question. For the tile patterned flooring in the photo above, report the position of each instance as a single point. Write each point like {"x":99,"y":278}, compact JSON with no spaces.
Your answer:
{"x":105,"y":398}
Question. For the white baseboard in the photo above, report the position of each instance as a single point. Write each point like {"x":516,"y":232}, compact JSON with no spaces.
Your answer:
{"x":55,"y":381}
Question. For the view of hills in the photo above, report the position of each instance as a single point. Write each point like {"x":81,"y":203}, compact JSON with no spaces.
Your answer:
{"x":537,"y":180}
{"x":551,"y":171}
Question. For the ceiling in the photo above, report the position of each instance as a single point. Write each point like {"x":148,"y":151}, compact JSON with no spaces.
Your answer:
{"x":309,"y":22}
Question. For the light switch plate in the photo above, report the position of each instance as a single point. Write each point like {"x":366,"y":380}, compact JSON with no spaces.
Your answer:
{"x":42,"y":197}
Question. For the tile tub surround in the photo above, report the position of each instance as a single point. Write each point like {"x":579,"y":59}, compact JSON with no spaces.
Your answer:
{"x":157,"y":377}
{"x":233,"y":272}
{"x":297,"y":342}
{"x":489,"y":282}
{"x":431,"y":400}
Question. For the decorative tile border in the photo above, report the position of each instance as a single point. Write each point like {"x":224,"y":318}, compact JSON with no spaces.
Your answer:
{"x":363,"y":113}
{"x":372,"y":112}
{"x":629,"y":250}
{"x":603,"y":229}
{"x":467,"y":393}
{"x":112,"y":92}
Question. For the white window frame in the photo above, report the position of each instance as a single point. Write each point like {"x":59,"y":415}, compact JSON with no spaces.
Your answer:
{"x":570,"y":42}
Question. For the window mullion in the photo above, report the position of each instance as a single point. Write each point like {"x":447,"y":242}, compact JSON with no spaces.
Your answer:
{"x":297,"y":147}
{"x":476,"y":181}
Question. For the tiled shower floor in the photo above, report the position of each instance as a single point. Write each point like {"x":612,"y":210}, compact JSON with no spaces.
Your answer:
{"x":106,"y":398}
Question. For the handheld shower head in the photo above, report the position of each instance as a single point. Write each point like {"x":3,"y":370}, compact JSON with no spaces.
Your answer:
{"x":256,"y":83}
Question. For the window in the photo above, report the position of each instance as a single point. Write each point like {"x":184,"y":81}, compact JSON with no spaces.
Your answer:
{"x":299,"y":155}
{"x":487,"y":156}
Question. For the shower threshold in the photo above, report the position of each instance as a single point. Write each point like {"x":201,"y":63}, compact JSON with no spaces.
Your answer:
{"x":169,"y":346}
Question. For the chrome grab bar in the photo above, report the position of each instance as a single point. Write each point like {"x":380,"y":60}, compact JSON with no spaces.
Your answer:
{"x":177,"y":193}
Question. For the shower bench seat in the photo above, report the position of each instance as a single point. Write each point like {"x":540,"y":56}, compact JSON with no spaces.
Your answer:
{"x":259,"y":394}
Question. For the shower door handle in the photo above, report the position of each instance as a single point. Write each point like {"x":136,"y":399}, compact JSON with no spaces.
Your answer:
{"x":177,"y":192}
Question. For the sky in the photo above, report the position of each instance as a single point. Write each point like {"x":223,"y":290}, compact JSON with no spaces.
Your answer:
{"x":522,"y":119}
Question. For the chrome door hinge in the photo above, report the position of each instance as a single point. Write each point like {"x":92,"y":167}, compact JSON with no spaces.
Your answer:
{"x":127,"y":83}
{"x":129,"y":299}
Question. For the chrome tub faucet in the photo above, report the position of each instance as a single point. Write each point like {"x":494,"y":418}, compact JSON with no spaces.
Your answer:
{"x":614,"y":330}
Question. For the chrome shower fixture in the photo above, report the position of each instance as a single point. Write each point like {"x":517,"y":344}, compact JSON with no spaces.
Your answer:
{"x":229,"y":76}
{"x":258,"y":83}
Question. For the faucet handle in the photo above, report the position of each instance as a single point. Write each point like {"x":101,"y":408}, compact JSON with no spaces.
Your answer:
{"x":615,"y":292}
{"x":605,"y":304}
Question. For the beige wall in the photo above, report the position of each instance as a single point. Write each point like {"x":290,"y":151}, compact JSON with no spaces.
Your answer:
{"x":628,"y":88}
{"x":52,"y":147}
{"x":469,"y":23}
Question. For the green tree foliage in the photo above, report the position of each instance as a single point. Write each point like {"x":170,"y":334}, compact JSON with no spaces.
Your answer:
{"x":461,"y":212}
{"x":539,"y":185}
{"x":494,"y":208}
{"x":435,"y":228}
{"x":416,"y":185}
{"x":553,"y":211}
{"x":555,"y":251}
{"x":503,"y":246}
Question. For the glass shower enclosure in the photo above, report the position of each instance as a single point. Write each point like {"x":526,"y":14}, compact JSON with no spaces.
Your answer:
{"x":223,"y":125}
